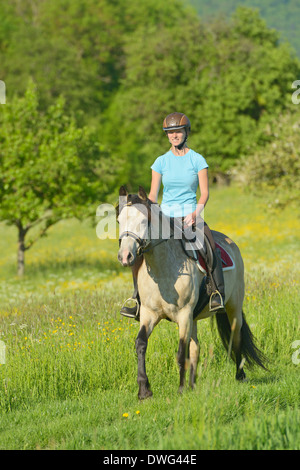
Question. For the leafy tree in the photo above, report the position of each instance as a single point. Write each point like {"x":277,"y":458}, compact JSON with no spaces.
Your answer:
{"x":283,"y":15}
{"x":50,"y":169}
{"x":157,"y":72}
{"x":273,"y":173}
{"x":75,"y":47}
{"x":122,"y":66}
{"x":69,"y":47}
{"x":230,"y":78}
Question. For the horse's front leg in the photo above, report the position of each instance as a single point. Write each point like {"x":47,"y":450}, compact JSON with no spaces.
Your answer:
{"x":141,"y":344}
{"x":185,"y":321}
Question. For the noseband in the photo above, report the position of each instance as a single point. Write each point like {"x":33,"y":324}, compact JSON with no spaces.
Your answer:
{"x":144,"y":245}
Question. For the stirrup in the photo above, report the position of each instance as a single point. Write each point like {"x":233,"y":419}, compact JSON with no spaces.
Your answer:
{"x":218,"y":307}
{"x":130,"y":312}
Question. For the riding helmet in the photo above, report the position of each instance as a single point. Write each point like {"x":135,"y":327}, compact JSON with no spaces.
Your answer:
{"x":177,"y":121}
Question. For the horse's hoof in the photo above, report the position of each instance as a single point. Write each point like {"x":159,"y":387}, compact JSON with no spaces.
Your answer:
{"x":142,"y":395}
{"x":241,"y":376}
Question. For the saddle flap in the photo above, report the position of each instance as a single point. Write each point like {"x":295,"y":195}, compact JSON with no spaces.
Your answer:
{"x":227,"y":261}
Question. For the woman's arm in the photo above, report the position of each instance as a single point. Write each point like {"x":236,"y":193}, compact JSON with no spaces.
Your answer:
{"x":155,"y":185}
{"x":204,"y":195}
{"x":204,"y":190}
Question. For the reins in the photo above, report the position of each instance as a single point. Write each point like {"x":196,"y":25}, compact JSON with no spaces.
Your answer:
{"x":150,"y":245}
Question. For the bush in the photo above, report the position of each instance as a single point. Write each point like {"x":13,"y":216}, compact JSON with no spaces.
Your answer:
{"x":273,"y":171}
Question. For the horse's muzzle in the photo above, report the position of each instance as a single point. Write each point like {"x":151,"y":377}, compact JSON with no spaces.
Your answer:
{"x":126,"y":258}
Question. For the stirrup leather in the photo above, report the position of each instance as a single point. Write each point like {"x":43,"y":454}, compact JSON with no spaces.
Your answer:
{"x":127,"y":314}
{"x":219,"y":307}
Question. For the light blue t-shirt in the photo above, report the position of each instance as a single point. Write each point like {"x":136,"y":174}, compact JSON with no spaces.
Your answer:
{"x":180,"y":181}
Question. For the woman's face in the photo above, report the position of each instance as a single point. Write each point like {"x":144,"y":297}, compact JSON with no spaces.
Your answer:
{"x":176,"y":136}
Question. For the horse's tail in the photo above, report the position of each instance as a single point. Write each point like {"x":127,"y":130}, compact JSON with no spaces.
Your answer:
{"x":248,"y":349}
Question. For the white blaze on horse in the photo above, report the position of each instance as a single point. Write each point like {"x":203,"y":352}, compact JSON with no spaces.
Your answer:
{"x":170,"y":286}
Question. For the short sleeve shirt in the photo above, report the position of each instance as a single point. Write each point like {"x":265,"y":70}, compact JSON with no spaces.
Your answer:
{"x":180,"y":181}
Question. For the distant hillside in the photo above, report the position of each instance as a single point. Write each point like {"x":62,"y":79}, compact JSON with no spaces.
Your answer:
{"x":283,"y":15}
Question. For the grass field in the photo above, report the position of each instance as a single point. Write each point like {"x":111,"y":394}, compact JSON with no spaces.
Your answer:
{"x":69,"y":377}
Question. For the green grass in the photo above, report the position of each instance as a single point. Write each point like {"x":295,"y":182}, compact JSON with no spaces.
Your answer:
{"x":69,"y":379}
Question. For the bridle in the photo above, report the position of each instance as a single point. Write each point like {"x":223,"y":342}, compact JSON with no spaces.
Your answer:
{"x":144,"y":245}
{"x":141,"y":242}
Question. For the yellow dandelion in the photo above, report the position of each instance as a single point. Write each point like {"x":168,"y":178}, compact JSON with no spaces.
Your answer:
{"x":125,"y":415}
{"x":137,"y":412}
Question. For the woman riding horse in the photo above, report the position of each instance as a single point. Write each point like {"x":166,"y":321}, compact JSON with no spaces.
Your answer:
{"x":171,"y":287}
{"x":182,"y":170}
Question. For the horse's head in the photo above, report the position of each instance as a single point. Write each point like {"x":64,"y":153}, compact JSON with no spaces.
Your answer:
{"x":133,"y":214}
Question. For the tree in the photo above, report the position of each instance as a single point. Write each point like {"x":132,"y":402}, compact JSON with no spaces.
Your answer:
{"x":50,"y":169}
{"x":273,"y":173}
{"x":74,"y":47}
{"x":283,"y":15}
{"x":230,"y":78}
{"x":69,"y":47}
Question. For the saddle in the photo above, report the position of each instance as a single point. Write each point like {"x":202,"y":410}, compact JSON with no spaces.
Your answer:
{"x":198,"y":257}
{"x":227,"y":262}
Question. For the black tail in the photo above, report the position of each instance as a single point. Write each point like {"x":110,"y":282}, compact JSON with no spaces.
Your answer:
{"x":248,"y":349}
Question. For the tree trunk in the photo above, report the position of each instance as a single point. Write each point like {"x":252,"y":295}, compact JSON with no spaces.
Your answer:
{"x":21,"y":251}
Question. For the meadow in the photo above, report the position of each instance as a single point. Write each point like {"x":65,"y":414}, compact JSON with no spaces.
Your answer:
{"x":69,"y":376}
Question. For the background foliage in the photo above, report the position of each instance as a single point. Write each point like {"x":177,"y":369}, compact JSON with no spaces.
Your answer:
{"x":50,"y":169}
{"x":274,"y":172}
{"x":122,"y":67}
{"x":105,"y":74}
{"x":283,"y":15}
{"x":88,"y":84}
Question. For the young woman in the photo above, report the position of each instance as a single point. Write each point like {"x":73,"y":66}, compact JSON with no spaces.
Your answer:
{"x":181,"y":170}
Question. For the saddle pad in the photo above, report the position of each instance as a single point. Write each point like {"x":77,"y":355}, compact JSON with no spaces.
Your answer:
{"x":227,"y":262}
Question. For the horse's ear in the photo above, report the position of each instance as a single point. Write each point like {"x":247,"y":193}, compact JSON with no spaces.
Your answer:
{"x":122,"y":191}
{"x":142,"y":193}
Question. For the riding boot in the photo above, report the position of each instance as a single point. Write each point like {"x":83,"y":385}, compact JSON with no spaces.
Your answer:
{"x":215,"y":273}
{"x":133,"y":311}
{"x":217,"y":298}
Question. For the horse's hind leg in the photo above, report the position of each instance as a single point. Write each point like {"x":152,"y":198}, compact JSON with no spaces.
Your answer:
{"x":185,"y":329}
{"x":236,"y":321}
{"x":194,"y":355}
{"x":237,"y":340}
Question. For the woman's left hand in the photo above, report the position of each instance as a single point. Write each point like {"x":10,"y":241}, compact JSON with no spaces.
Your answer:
{"x":190,"y":219}
{"x":193,"y":217}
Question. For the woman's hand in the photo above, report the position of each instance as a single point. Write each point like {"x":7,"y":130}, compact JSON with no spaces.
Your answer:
{"x":192,"y":218}
{"x":189,"y":219}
